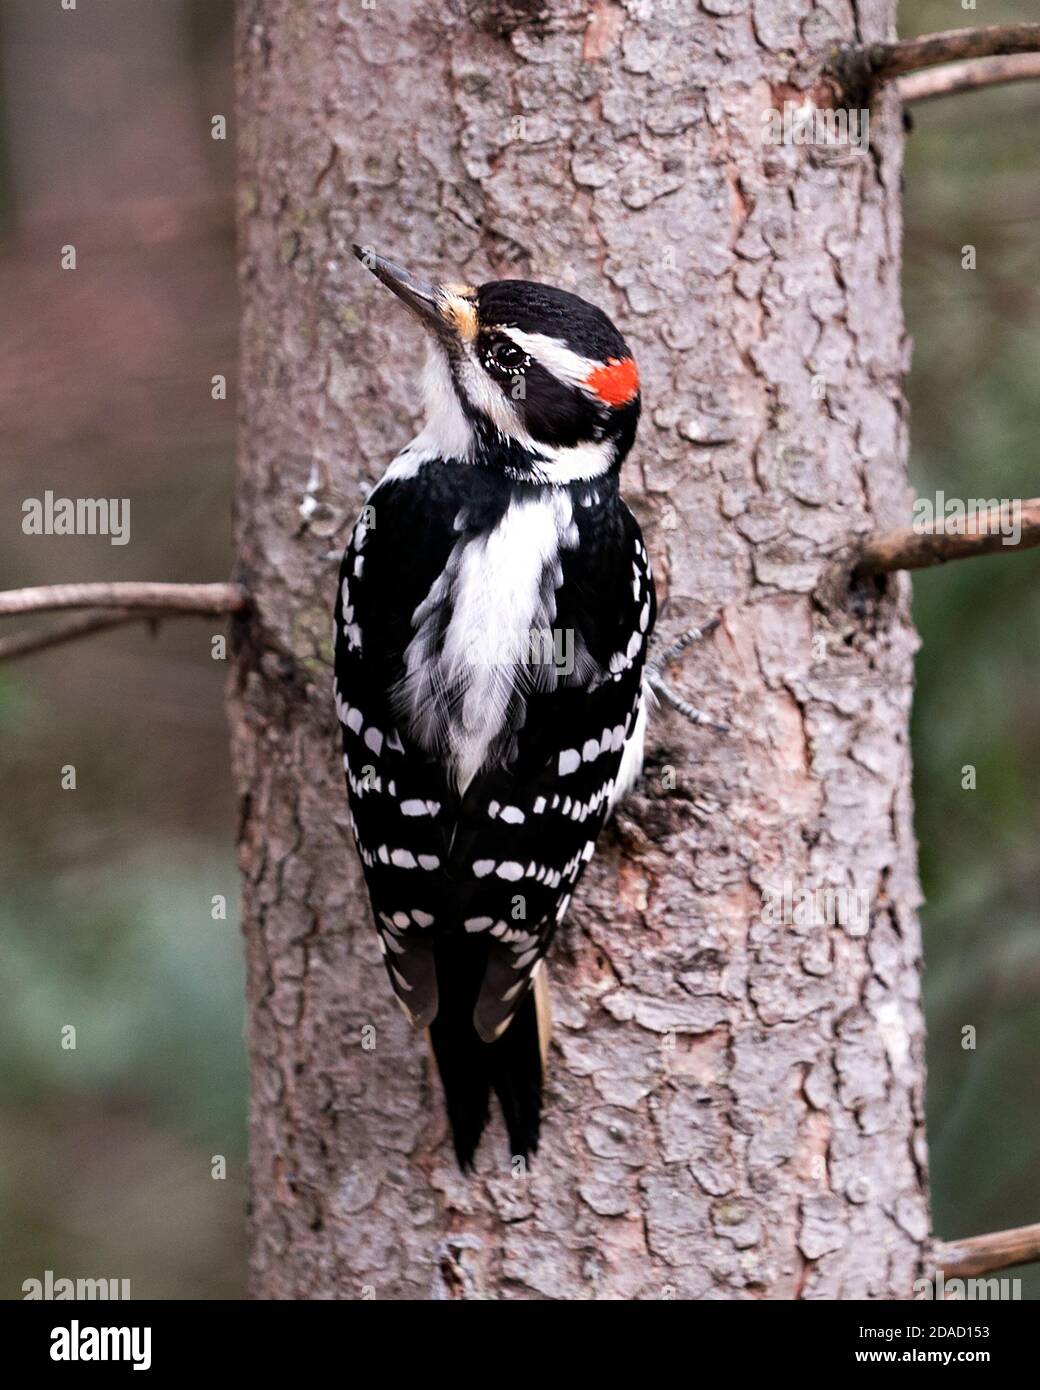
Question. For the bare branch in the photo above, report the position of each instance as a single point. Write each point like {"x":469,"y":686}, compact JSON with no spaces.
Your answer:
{"x":981,"y":534}
{"x":930,"y":50}
{"x":25,"y":643}
{"x":983,"y":1254}
{"x":969,"y":76}
{"x":858,"y":70}
{"x":158,"y":598}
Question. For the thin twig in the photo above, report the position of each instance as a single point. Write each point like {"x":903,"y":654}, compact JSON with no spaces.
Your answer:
{"x":969,"y":76}
{"x":964,"y":1259}
{"x":25,"y":643}
{"x":929,"y":50}
{"x":859,"y":69}
{"x":164,"y":598}
{"x":979,"y":534}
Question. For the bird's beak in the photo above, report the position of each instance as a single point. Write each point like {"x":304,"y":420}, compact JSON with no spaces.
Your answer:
{"x":434,"y":305}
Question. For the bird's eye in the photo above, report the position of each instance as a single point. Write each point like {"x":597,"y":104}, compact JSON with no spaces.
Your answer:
{"x":507,"y":357}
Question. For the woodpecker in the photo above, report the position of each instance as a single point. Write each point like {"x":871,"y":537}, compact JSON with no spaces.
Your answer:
{"x":491,"y":625}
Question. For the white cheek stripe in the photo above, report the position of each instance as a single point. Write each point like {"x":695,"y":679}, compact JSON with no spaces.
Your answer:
{"x":575,"y":465}
{"x":555,"y":356}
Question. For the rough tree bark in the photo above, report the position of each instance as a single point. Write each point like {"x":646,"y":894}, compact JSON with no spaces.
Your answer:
{"x":735,"y":1105}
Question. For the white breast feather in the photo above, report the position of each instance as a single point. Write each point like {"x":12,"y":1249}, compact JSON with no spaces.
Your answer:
{"x":500,"y":589}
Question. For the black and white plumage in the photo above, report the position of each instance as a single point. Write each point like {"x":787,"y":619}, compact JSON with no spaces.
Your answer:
{"x":492,"y":618}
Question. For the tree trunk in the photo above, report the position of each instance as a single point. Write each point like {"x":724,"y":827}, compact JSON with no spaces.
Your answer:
{"x":735,"y":1102}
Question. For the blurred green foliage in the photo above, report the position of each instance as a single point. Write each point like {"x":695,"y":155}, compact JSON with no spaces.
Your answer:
{"x":107,"y":1160}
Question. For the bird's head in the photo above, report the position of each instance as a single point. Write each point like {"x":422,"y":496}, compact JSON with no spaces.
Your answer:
{"x":521,"y":376}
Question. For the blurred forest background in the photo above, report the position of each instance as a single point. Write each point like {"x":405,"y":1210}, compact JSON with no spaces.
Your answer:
{"x":105,"y":917}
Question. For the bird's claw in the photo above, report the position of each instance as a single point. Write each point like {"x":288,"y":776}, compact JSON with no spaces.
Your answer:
{"x":659,"y":685}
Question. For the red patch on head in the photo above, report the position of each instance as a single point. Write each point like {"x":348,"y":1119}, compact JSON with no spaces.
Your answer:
{"x":616,"y":382}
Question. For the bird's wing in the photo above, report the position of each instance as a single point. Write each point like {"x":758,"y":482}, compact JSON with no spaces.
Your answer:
{"x":403,"y":809}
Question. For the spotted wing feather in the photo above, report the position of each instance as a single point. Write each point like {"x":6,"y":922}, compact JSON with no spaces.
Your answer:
{"x":403,"y":809}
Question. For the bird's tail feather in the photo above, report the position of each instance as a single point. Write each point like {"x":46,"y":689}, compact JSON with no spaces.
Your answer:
{"x":470,"y":1069}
